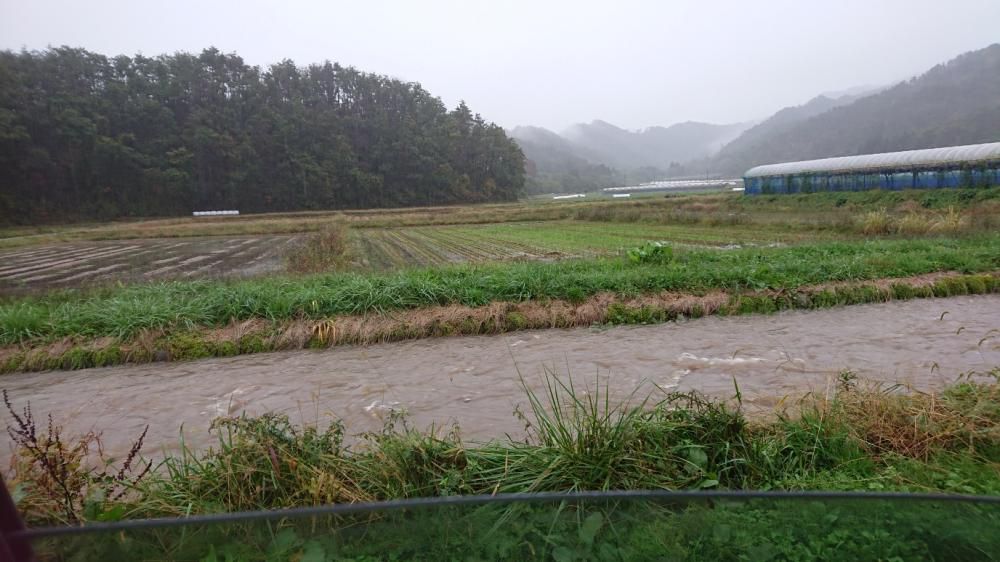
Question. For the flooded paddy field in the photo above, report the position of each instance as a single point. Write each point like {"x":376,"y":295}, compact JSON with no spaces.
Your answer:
{"x":475,"y":382}
{"x":387,"y":248}
{"x":74,"y":264}
{"x":88,"y":263}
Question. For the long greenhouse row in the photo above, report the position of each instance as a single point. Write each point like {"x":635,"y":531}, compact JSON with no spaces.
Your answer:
{"x":949,"y":167}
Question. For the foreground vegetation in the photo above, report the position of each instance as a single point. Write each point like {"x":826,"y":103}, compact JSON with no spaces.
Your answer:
{"x":861,"y":437}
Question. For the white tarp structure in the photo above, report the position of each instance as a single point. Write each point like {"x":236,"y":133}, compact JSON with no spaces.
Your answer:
{"x":677,"y":184}
{"x":215,"y":213}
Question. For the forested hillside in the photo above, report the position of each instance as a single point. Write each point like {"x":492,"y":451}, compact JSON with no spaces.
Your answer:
{"x":739,"y":154}
{"x":83,"y":135}
{"x":554,"y":165}
{"x":951,"y":104}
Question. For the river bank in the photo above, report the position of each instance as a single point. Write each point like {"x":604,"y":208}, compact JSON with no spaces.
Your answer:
{"x":474,"y":382}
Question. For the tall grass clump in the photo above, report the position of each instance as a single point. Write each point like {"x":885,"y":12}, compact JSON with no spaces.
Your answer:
{"x":325,"y":250}
{"x":913,"y":224}
{"x":257,"y":462}
{"x":949,"y":222}
{"x":877,"y":222}
{"x":581,"y":440}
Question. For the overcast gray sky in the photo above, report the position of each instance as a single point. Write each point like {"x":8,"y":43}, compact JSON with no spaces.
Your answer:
{"x":550,"y":63}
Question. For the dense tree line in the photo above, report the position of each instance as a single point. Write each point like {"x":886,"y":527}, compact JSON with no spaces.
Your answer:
{"x":83,"y":135}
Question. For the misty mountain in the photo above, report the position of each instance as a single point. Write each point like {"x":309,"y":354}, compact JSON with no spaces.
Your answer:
{"x":754,"y":141}
{"x":953,"y":103}
{"x":554,"y":164}
{"x":654,"y":146}
{"x":599,"y":154}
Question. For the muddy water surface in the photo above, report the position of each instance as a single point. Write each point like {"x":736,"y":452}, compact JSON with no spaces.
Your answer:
{"x":473,"y":381}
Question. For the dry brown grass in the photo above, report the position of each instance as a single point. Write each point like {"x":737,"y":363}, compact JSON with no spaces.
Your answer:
{"x":877,"y":222}
{"x":908,"y":206}
{"x":949,"y":222}
{"x":916,"y":281}
{"x":325,"y":250}
{"x":902,"y":421}
{"x":913,"y":224}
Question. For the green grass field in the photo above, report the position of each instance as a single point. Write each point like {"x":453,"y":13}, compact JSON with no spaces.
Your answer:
{"x":381,"y":248}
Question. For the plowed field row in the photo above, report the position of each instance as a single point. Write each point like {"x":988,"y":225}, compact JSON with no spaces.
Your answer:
{"x":387,"y":248}
{"x":68,"y":265}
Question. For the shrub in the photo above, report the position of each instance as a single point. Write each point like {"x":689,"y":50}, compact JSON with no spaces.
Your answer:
{"x":326,"y":250}
{"x":651,"y":252}
{"x":877,"y":222}
{"x":913,"y":223}
{"x":950,"y":222}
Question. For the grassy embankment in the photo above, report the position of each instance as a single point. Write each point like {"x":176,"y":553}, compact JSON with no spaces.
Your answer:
{"x":191,"y":319}
{"x":859,"y":438}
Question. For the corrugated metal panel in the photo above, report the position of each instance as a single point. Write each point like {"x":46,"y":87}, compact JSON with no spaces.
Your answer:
{"x":905,"y":159}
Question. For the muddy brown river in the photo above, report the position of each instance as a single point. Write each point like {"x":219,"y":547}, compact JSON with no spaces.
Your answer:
{"x":474,"y":381}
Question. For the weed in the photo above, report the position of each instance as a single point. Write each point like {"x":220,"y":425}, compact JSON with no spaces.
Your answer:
{"x":950,"y":222}
{"x":877,"y":222}
{"x":56,"y":483}
{"x":651,"y":252}
{"x":325,"y":250}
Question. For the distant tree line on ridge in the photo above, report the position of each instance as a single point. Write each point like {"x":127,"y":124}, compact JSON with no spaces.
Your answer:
{"x":85,"y":136}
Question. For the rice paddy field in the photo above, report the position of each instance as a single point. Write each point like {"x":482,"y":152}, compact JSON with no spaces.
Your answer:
{"x":391,"y":248}
{"x":76,"y":264}
{"x":39,"y":267}
{"x":69,"y":265}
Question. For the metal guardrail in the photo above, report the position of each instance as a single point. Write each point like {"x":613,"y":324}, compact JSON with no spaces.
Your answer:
{"x":415,"y":519}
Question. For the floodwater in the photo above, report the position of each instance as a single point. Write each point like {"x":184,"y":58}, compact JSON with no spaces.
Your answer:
{"x":475,"y":382}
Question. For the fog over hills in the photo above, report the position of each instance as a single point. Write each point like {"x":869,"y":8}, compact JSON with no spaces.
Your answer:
{"x":953,"y":103}
{"x":957,"y":102}
{"x":654,"y":146}
{"x":599,"y":154}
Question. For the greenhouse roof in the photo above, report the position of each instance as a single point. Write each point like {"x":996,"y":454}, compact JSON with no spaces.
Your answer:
{"x":905,"y":159}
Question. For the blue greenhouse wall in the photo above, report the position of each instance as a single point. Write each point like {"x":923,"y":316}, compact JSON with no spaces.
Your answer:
{"x":978,"y":176}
